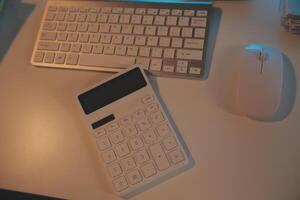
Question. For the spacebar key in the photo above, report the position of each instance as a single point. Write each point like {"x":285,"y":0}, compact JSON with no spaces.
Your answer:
{"x":106,"y":61}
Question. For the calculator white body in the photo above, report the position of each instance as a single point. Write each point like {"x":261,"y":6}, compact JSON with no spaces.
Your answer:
{"x":136,"y":141}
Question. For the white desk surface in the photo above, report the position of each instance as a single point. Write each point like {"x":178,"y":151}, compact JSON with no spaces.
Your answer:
{"x":45,"y":146}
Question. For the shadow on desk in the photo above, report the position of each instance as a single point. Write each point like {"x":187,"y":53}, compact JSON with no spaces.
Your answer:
{"x":12,"y":18}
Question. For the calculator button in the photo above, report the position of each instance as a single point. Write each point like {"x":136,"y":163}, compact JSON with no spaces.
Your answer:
{"x":113,"y":126}
{"x":169,"y":143}
{"x":159,"y":157}
{"x":148,"y":170}
{"x":136,"y":143}
{"x":122,"y":150}
{"x":141,"y":156}
{"x":134,"y":177}
{"x":116,"y":137}
{"x":147,"y":99}
{"x":120,"y":184}
{"x":143,"y":124}
{"x":129,"y":131}
{"x":99,"y":133}
{"x":127,"y":164}
{"x":109,"y":156}
{"x":176,"y":156}
{"x":163,"y":130}
{"x":115,"y":170}
{"x":149,"y":136}
{"x":157,"y":117}
{"x":103,"y":143}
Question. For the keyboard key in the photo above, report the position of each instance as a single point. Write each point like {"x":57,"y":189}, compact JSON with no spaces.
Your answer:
{"x":112,"y":126}
{"x":195,"y":70}
{"x":168,"y":68}
{"x":138,"y":115}
{"x":150,"y":30}
{"x":157,"y":52}
{"x":176,"y":156}
{"x":157,"y":117}
{"x":99,"y":132}
{"x":136,"y":19}
{"x":183,"y":21}
{"x":48,"y":36}
{"x":152,"y":41}
{"x":164,"y":41}
{"x":134,"y":177}
{"x":149,"y":136}
{"x":159,"y":157}
{"x":189,"y":13}
{"x":177,"y":42}
{"x":120,"y":50}
{"x":148,"y":20}
{"x":143,"y":124}
{"x":198,"y":22}
{"x":199,"y":33}
{"x":201,"y":13}
{"x":132,"y":51}
{"x":159,"y":20}
{"x":49,"y":57}
{"x":65,"y":47}
{"x":109,"y":156}
{"x":169,"y":53}
{"x":189,"y":54}
{"x":156,"y":64}
{"x":144,"y":51}
{"x":49,"y":26}
{"x":193,"y":43}
{"x":106,"y":61}
{"x":60,"y":58}
{"x":120,"y":184}
{"x":115,"y":170}
{"x":169,"y":143}
{"x":143,"y":62}
{"x":163,"y":130}
{"x":103,"y":143}
{"x":176,"y":12}
{"x":127,"y":164}
{"x":164,"y":12}
{"x":97,"y":49}
{"x":49,"y":46}
{"x":151,"y":108}
{"x":136,"y":143}
{"x":86,"y":48}
{"x":72,"y":59}
{"x":152,"y":11}
{"x":147,"y":99}
{"x":129,"y":131}
{"x":75,"y":48}
{"x":122,"y":150}
{"x":116,"y":137}
{"x":187,"y":32}
{"x":38,"y":56}
{"x":175,"y":32}
{"x":148,"y":170}
{"x":141,"y":156}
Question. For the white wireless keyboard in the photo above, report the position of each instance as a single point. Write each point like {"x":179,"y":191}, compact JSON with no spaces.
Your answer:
{"x":135,"y":139}
{"x":167,"y":39}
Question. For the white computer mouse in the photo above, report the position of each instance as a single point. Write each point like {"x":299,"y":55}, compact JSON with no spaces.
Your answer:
{"x":260,"y":81}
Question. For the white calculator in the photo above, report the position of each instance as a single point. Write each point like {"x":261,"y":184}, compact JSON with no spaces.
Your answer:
{"x":135,"y":139}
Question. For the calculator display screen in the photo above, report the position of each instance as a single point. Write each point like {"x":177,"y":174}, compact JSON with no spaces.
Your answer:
{"x":112,"y":90}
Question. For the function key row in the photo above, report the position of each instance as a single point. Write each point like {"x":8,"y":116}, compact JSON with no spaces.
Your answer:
{"x":141,"y":11}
